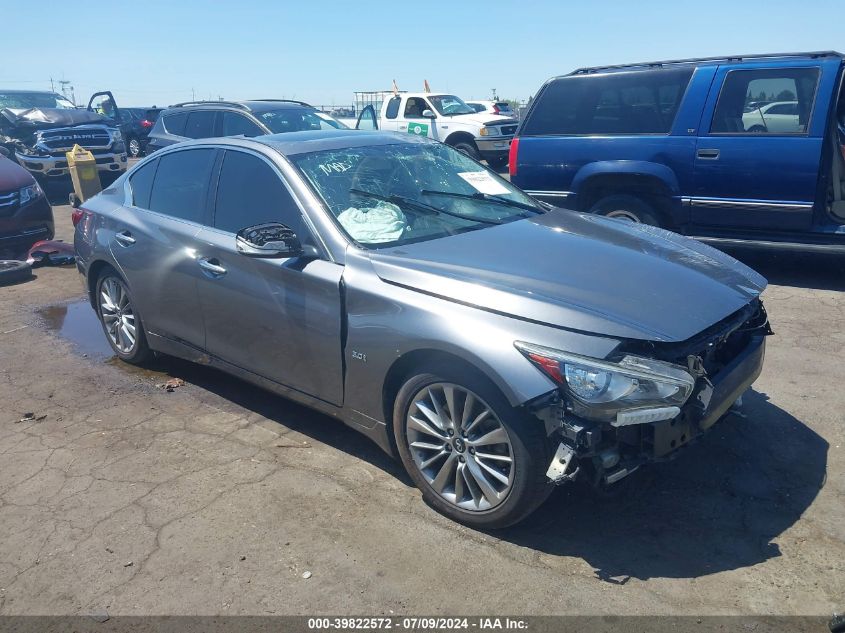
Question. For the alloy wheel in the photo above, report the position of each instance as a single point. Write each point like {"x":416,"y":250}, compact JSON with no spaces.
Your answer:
{"x":118,"y":315}
{"x":460,"y":446}
{"x":134,"y":148}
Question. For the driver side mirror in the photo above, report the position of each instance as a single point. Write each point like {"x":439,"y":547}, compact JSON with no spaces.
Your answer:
{"x":429,"y":114}
{"x":268,"y":240}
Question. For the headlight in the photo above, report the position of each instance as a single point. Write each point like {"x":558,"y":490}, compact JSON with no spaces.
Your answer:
{"x":116,"y":136}
{"x":489,"y":131}
{"x":610,"y":392}
{"x":28,"y":194}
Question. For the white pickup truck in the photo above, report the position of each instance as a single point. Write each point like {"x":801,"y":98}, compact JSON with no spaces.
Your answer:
{"x":446,"y":118}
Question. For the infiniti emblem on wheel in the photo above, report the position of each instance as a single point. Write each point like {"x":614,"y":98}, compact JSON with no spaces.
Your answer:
{"x":459,"y":445}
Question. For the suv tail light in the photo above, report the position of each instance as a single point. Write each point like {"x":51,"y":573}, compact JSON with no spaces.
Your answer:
{"x":146,"y":123}
{"x":496,"y":109}
{"x":514,"y":148}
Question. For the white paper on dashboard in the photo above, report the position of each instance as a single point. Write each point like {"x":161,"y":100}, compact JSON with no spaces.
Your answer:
{"x":484,"y":182}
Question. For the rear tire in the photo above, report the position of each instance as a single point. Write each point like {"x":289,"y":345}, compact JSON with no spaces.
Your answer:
{"x":121,"y":322}
{"x":468,"y":148}
{"x":518,"y":453}
{"x":627,"y":208}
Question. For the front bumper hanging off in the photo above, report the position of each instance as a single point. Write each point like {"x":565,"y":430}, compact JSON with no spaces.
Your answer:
{"x":614,"y":452}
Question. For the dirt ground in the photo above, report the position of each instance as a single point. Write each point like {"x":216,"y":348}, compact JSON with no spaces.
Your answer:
{"x":215,"y":498}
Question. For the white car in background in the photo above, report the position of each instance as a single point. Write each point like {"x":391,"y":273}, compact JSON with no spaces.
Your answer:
{"x":779,"y":116}
{"x":492,"y":107}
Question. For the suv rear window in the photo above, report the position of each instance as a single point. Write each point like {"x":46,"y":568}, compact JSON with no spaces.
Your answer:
{"x":640,"y":102}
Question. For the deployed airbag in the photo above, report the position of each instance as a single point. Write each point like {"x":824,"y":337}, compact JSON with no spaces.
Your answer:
{"x":383,"y":223}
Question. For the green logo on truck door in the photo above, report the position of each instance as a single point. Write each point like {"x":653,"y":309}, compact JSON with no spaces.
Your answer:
{"x":420,"y":129}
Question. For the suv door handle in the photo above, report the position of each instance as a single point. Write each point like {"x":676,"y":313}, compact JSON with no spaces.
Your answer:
{"x":125,"y":238}
{"x":708,"y":154}
{"x":211,"y":266}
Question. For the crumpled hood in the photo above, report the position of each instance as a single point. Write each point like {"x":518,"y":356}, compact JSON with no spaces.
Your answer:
{"x":44,"y":118}
{"x":581,"y":272}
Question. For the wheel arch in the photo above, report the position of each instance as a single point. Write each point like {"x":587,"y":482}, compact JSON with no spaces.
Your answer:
{"x":654,"y":183}
{"x":430,"y":358}
{"x":95,"y":271}
{"x":457,"y":137}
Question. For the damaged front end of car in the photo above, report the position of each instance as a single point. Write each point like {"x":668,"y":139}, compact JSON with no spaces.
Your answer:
{"x":608,"y":417}
{"x":38,"y":138}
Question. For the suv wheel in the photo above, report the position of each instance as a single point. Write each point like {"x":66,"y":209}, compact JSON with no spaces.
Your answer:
{"x":626,"y":208}
{"x":134,"y":147}
{"x":121,"y":323}
{"x":474,"y":457}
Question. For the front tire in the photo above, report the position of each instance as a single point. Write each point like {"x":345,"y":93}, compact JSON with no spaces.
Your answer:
{"x":468,"y":148}
{"x":121,"y":323}
{"x":134,"y":148}
{"x":475,"y":458}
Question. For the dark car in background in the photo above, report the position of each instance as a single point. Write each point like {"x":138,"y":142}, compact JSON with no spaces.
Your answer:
{"x":208,"y":119}
{"x":136,"y":125}
{"x":693,"y":146}
{"x":496,"y":346}
{"x":25,"y":214}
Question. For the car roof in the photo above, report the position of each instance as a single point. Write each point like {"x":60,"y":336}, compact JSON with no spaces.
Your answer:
{"x":292,"y":143}
{"x":702,"y":61}
{"x":252,"y":105}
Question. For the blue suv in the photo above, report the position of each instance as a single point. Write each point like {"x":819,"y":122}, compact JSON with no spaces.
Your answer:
{"x":734,"y":150}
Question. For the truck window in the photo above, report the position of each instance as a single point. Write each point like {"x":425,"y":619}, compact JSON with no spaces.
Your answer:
{"x":414,"y":107}
{"x":393,"y":108}
{"x":643,"y":102}
{"x":745,"y":104}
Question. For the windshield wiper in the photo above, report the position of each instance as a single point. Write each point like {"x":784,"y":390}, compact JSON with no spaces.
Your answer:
{"x":485,"y":197}
{"x":401,"y":201}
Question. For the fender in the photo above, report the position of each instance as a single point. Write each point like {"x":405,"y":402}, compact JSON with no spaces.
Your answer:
{"x":376,"y":339}
{"x":628,"y":167}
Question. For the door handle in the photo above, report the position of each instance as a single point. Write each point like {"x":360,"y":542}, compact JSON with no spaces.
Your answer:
{"x":212,"y":266}
{"x":125,"y":238}
{"x":708,"y":154}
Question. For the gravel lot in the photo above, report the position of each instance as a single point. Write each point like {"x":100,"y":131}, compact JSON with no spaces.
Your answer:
{"x":215,"y":498}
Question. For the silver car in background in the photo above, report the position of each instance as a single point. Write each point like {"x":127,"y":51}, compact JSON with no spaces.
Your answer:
{"x":496,"y":345}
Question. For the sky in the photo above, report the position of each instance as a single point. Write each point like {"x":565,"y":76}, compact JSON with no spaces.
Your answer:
{"x":157,"y":52}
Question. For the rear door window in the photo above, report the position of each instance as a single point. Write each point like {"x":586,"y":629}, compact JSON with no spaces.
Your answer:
{"x":180,"y":188}
{"x":640,"y":102}
{"x":200,"y":124}
{"x":141,"y":184}
{"x":776,"y":101}
{"x":393,"y":107}
{"x":250,"y":192}
{"x":235,"y":124}
{"x":175,"y":123}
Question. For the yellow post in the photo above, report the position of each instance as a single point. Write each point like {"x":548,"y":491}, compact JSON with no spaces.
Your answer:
{"x":83,"y":172}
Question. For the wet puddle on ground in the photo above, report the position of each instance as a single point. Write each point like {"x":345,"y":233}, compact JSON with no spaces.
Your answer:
{"x":78,"y":323}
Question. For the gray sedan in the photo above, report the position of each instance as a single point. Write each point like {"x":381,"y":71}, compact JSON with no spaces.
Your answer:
{"x":495,"y":345}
